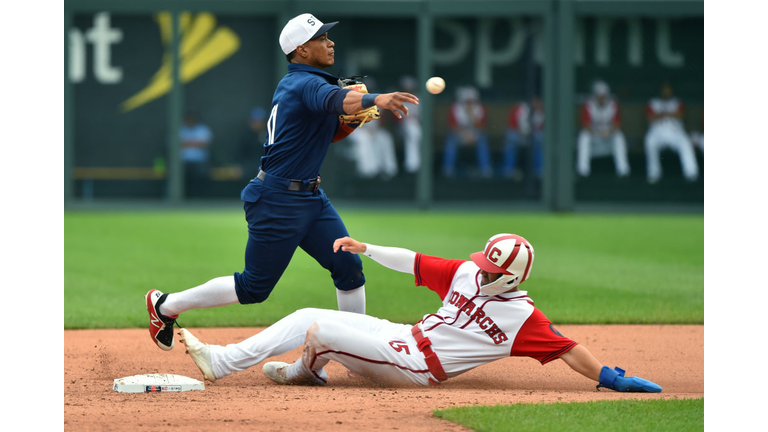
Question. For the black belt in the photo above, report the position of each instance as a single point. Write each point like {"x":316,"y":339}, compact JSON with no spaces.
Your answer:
{"x":291,"y":185}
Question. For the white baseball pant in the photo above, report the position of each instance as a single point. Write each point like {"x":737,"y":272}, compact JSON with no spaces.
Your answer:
{"x":669,"y":135}
{"x":412,"y":143}
{"x":618,"y":145}
{"x":378,"y":349}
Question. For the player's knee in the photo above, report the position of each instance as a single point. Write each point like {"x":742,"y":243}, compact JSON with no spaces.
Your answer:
{"x":251,"y":289}
{"x":322,"y":333}
{"x":347,"y":273}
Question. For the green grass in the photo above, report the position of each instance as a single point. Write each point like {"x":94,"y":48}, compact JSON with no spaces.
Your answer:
{"x":588,"y":268}
{"x":677,"y":415}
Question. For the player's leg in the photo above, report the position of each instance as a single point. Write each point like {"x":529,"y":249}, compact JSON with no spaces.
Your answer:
{"x":386,"y":145}
{"x":346,"y":268}
{"x":376,"y":349}
{"x":538,"y":153}
{"x":285,"y":335}
{"x":584,"y":153}
{"x":483,"y":151}
{"x":216,"y":292}
{"x":688,"y":162}
{"x":511,"y":143}
{"x":450,"y":152}
{"x":367,"y":163}
{"x":412,"y":134}
{"x":652,"y":143}
{"x":273,"y":236}
{"x":620,"y":154}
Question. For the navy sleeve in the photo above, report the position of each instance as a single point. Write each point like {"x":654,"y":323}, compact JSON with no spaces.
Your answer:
{"x":316,"y":93}
{"x":334,"y":102}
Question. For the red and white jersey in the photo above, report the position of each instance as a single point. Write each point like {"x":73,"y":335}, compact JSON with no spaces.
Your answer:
{"x":467,"y":115}
{"x":472,"y":329}
{"x":667,"y":108}
{"x":525,"y":119}
{"x":600,"y":117}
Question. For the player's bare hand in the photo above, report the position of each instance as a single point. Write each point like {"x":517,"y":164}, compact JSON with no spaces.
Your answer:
{"x":395,"y":102}
{"x":348,"y":244}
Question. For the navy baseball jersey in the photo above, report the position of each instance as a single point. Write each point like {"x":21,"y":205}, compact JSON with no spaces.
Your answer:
{"x":301,"y":125}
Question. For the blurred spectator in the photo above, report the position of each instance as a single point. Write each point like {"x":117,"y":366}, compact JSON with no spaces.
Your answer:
{"x":601,"y":132}
{"x":374,"y":149}
{"x":410,"y":128}
{"x":467,"y":118}
{"x":525,"y":126}
{"x":195,"y":139}
{"x":251,"y":144}
{"x":666,"y":131}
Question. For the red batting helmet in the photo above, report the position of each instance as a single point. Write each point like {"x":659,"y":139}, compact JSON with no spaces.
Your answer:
{"x":508,"y":254}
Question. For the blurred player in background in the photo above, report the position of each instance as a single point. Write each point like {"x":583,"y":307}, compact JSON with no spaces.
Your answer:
{"x":525,"y":125}
{"x":467,"y":122}
{"x":373,"y":147}
{"x":484,"y":317}
{"x":601,"y":133}
{"x":665,"y":117}
{"x":410,"y":129}
{"x":195,"y":139}
{"x":284,"y":205}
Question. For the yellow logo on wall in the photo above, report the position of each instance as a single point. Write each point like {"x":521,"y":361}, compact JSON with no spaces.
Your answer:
{"x":202,"y":47}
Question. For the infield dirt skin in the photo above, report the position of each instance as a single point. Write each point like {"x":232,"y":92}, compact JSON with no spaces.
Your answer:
{"x":672,"y":356}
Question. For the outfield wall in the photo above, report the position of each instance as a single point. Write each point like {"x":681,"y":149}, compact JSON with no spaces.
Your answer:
{"x":129,"y":79}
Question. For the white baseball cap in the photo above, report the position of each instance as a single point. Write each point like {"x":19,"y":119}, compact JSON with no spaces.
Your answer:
{"x":301,"y":29}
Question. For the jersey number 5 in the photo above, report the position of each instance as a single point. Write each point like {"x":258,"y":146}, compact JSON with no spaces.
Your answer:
{"x":399,"y":346}
{"x":271,"y":126}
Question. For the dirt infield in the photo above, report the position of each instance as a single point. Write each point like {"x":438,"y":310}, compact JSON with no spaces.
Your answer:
{"x":672,"y":356}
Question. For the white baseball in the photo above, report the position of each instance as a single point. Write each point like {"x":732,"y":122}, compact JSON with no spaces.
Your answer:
{"x":435,"y":85}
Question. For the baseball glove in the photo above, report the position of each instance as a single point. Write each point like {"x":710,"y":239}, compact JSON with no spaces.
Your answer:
{"x":362,"y":117}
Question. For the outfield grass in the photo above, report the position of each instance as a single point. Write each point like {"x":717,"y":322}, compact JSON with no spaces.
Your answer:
{"x":677,"y":415}
{"x":588,"y":268}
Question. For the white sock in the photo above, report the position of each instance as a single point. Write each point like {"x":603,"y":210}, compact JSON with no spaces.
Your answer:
{"x":299,"y":369}
{"x":352,"y":300}
{"x":216,"y":292}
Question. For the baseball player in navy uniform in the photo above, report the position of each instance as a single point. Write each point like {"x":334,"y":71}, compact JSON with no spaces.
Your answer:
{"x":284,"y":206}
{"x":484,"y":317}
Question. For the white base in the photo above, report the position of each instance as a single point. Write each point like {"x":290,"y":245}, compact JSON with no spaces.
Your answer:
{"x":156,"y":383}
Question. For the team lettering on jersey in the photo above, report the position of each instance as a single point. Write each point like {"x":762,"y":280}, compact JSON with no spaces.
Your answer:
{"x":478,"y":315}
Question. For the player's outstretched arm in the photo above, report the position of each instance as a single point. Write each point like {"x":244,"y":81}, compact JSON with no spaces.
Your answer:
{"x":398,"y":259}
{"x":395,"y":102}
{"x":582,"y":361}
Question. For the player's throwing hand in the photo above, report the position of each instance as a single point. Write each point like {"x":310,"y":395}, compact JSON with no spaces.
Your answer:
{"x":395,"y":102}
{"x":348,"y":244}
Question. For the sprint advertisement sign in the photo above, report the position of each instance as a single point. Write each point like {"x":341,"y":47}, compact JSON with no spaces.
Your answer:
{"x":120,"y":66}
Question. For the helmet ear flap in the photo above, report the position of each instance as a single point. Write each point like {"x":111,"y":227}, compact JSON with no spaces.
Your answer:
{"x":501,"y":285}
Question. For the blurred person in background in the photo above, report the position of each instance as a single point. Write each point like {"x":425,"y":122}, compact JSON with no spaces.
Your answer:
{"x":665,"y":117}
{"x":251,"y":142}
{"x":373,"y":146}
{"x":601,"y":133}
{"x":525,"y":125}
{"x":196,"y":138}
{"x":410,"y":129}
{"x":467,"y":122}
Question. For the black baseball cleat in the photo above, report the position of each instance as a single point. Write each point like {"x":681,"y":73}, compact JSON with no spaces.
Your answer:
{"x":160,"y":326}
